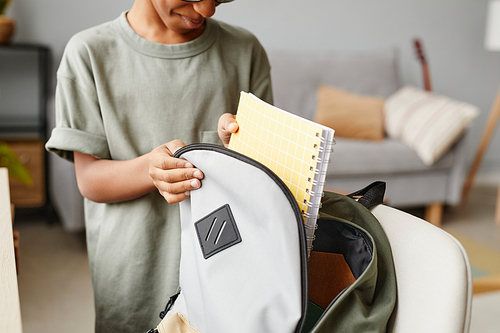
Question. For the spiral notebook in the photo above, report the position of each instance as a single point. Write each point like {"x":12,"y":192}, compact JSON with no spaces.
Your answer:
{"x":296,"y":149}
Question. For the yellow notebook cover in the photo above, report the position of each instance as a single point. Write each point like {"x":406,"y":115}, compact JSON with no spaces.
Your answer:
{"x":294,"y":148}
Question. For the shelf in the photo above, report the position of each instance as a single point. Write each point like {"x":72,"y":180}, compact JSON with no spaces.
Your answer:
{"x":24,"y":87}
{"x":25,"y":46}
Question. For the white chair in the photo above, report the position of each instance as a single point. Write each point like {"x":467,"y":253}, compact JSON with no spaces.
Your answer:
{"x":433,"y":275}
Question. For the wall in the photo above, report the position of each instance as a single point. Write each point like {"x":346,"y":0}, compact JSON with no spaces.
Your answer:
{"x":452,"y":32}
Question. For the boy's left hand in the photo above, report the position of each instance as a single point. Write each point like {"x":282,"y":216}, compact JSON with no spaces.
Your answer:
{"x":227,"y":126}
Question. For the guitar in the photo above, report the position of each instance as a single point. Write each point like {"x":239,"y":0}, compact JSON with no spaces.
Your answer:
{"x":423,"y":61}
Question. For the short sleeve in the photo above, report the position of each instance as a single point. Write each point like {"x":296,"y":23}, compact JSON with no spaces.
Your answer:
{"x":79,"y":125}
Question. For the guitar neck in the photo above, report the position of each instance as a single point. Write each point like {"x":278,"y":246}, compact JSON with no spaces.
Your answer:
{"x":425,"y":67}
{"x":426,"y":76}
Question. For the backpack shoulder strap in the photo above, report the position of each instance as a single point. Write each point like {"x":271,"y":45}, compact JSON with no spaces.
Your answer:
{"x":371,"y":195}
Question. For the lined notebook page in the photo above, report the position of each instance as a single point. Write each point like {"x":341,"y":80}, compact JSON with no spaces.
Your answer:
{"x":288,"y":145}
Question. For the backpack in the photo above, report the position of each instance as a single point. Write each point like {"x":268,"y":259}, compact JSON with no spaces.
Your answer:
{"x":244,"y":264}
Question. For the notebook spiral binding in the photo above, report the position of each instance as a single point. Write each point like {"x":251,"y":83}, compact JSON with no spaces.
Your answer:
{"x":314,"y":194}
{"x":313,"y":181}
{"x":310,"y":227}
{"x":310,"y":239}
{"x":322,"y":158}
{"x":322,"y":139}
{"x":323,"y":148}
{"x":318,"y":172}
{"x":309,"y":215}
{"x":312,"y":205}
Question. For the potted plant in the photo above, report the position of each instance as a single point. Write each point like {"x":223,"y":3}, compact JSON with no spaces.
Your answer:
{"x":6,"y":23}
{"x":16,"y":169}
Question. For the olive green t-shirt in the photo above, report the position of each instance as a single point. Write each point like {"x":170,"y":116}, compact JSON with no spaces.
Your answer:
{"x":120,"y":96}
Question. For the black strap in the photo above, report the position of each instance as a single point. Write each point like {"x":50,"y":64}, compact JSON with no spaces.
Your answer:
{"x":169,"y":305}
{"x":371,"y":195}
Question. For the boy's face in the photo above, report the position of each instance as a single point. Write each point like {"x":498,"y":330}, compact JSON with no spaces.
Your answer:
{"x":184,"y":19}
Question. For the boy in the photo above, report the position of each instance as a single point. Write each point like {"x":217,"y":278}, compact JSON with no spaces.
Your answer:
{"x":129,"y":93}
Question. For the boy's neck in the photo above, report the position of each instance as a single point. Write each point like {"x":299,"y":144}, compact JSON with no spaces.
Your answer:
{"x":145,"y":21}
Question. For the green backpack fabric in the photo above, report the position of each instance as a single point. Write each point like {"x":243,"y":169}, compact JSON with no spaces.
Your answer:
{"x":348,"y":228}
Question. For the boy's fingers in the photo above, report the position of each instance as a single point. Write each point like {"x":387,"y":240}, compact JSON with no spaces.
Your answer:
{"x":227,"y":125}
{"x":170,"y":163}
{"x":164,"y":160}
{"x":174,"y":198}
{"x":232,"y":126}
{"x":174,"y":145}
{"x":179,"y":175}
{"x":176,"y":192}
{"x":174,"y":178}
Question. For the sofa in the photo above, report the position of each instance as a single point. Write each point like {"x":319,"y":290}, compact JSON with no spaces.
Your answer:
{"x":356,"y":163}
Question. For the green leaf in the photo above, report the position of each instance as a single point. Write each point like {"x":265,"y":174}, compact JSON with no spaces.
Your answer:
{"x":16,"y":169}
{"x":3,"y":5}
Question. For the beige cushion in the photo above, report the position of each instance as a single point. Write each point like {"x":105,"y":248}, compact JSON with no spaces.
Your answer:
{"x":427,"y":122}
{"x":350,"y":115}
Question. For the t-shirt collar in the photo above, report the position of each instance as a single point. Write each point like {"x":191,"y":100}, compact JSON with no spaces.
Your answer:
{"x":174,"y":51}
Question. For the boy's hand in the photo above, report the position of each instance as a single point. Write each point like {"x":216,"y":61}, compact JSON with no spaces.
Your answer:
{"x":173,"y":177}
{"x":227,"y":126}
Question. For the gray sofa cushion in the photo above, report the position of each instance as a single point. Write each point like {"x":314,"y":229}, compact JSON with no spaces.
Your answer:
{"x":296,"y":77}
{"x":354,"y":157}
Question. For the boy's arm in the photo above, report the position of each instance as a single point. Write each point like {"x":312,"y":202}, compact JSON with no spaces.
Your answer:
{"x":114,"y":181}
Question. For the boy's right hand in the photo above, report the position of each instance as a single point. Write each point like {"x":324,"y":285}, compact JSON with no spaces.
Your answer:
{"x":173,"y":177}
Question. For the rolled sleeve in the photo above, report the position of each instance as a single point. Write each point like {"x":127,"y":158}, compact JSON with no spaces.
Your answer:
{"x":64,"y":141}
{"x":79,"y":124}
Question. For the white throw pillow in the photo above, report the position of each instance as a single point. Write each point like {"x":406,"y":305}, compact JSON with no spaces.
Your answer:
{"x":427,"y":122}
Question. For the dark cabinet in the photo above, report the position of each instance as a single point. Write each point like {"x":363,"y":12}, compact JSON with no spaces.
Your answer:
{"x":24,"y":86}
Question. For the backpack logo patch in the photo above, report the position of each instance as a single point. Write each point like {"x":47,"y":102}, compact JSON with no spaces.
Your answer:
{"x":217,"y":231}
